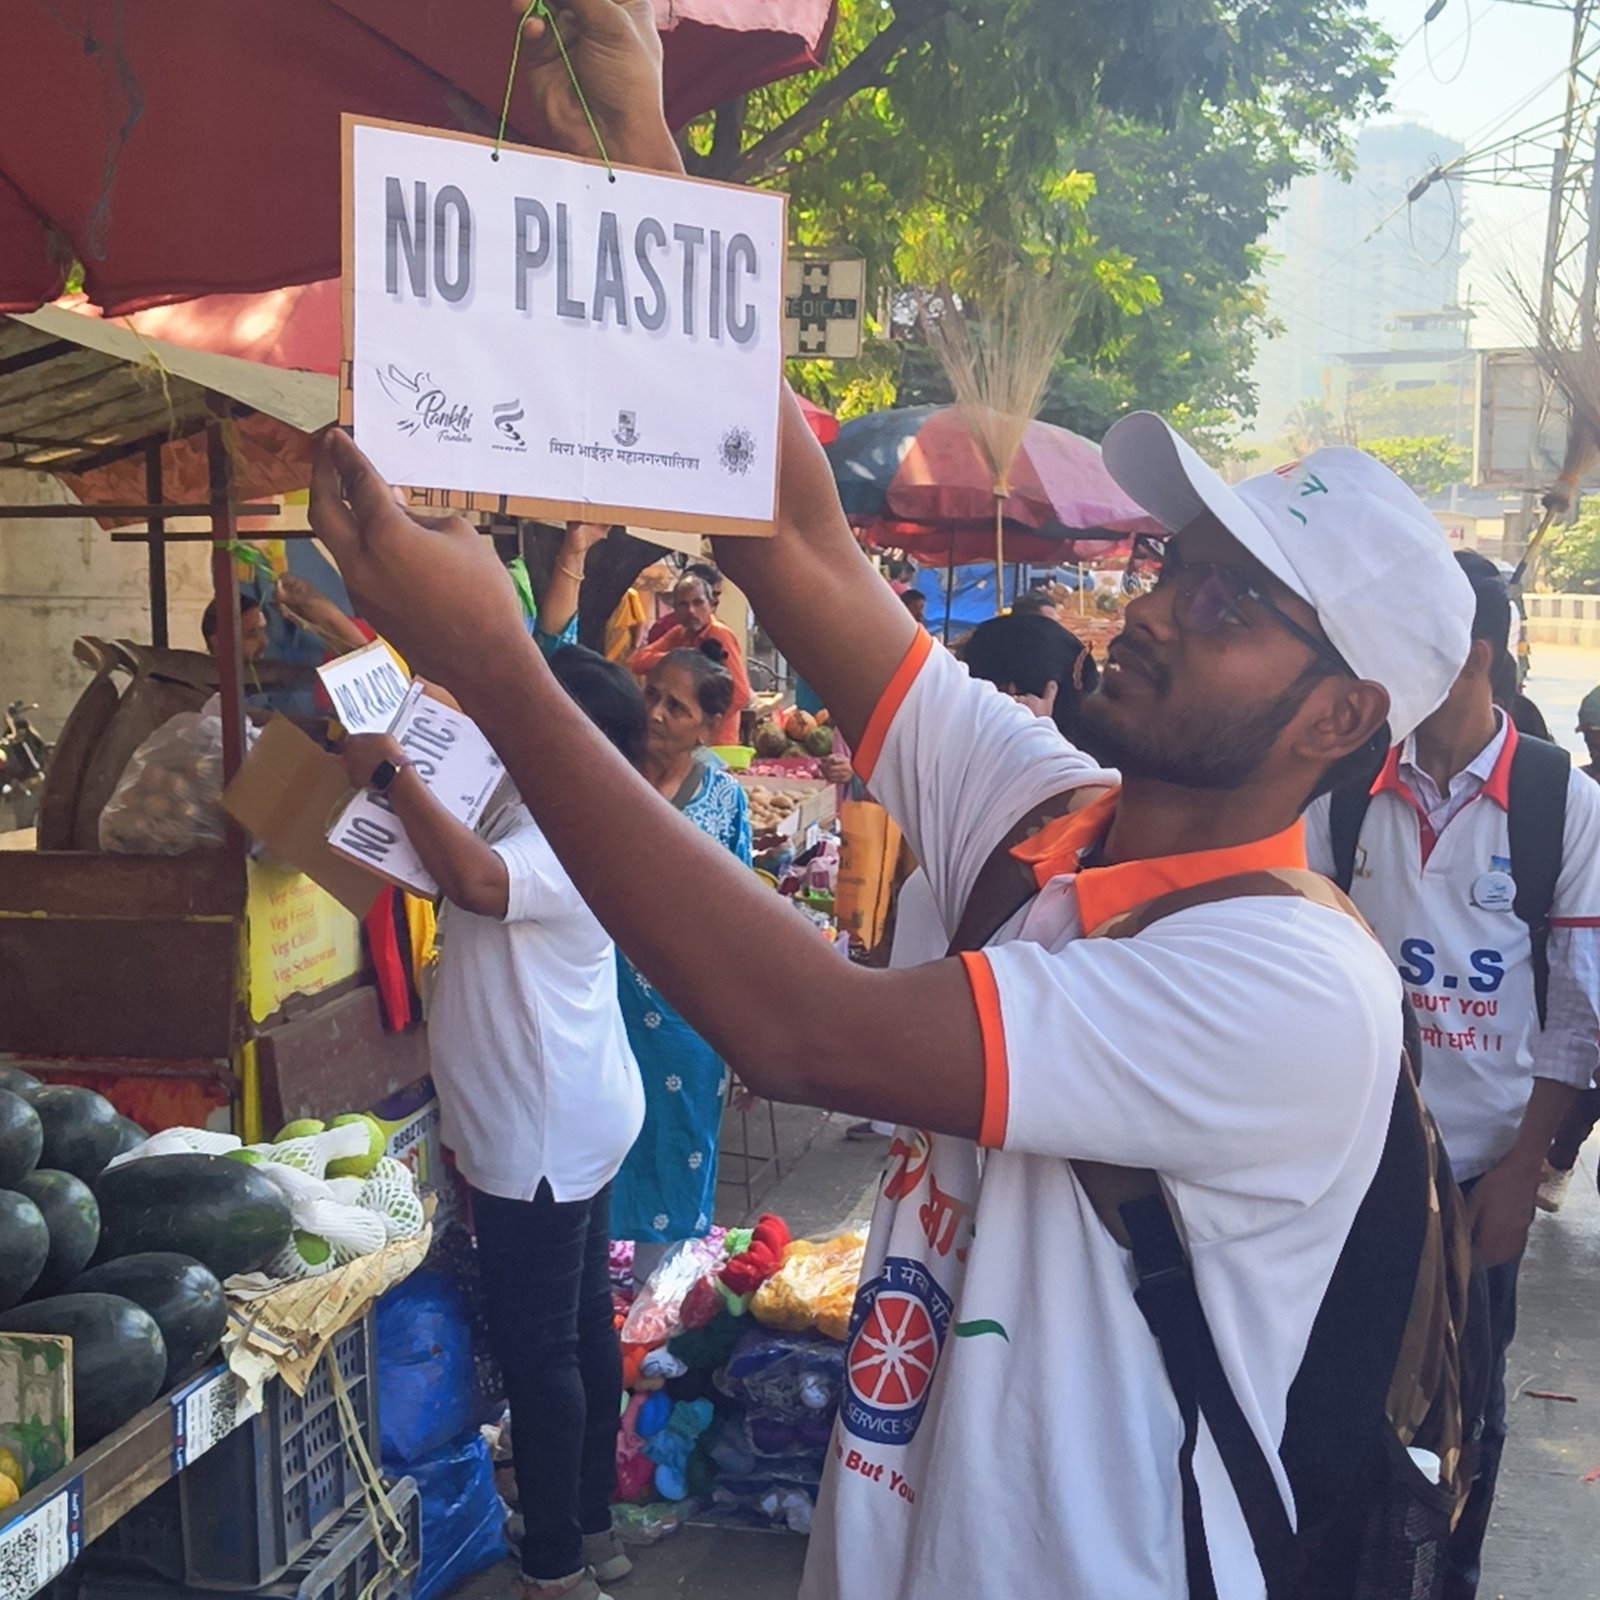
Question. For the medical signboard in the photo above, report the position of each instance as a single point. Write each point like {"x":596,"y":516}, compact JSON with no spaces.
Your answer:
{"x":823,"y":304}
{"x":536,"y":335}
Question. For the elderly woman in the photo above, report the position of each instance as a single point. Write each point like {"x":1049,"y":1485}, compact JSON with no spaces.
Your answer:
{"x":667,"y":1185}
{"x":697,"y":623}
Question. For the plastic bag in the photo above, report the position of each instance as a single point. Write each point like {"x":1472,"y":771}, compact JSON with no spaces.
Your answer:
{"x":794,"y":1376}
{"x":655,"y":1316}
{"x":463,"y":1517}
{"x":425,"y":1370}
{"x":168,"y":800}
{"x":815,"y":1287}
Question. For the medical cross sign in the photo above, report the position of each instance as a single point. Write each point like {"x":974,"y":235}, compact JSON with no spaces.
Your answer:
{"x":822,"y":302}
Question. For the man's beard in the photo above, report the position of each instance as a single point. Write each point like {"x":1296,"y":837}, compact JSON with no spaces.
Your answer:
{"x":1215,"y":749}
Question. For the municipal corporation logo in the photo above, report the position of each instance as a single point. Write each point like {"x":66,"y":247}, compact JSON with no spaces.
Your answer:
{"x":425,"y":408}
{"x":737,"y":451}
{"x":506,"y":417}
{"x":626,"y":432}
{"x":897,"y":1330}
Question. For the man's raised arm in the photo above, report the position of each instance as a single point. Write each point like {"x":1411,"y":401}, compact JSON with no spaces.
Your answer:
{"x":903,"y":1046}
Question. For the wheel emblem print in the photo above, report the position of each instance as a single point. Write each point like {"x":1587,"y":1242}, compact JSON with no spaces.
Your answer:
{"x":898,"y":1331}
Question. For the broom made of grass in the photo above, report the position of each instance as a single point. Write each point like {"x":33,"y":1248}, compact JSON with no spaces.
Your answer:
{"x":999,"y":365}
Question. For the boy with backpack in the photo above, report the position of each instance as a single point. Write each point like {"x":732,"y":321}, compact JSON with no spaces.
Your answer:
{"x":1475,"y":855}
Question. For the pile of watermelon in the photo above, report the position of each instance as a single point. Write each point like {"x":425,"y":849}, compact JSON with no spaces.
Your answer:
{"x":123,"y":1241}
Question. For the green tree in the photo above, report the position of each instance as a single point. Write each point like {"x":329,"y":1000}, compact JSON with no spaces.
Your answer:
{"x":1429,"y":463}
{"x":1137,"y":150}
{"x":1569,"y":562}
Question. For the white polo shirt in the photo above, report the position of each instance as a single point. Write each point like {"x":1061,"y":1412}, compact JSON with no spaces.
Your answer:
{"x":1008,"y":1429}
{"x":1440,"y":898}
{"x":529,"y":1051}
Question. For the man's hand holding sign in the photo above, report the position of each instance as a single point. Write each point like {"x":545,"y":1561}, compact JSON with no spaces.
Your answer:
{"x":615,"y":53}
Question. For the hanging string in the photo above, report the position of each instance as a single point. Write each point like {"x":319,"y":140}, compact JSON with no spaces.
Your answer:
{"x":566,"y":61}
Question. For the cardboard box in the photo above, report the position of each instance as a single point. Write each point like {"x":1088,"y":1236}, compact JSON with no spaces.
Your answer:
{"x":35,"y":1405}
{"x":284,"y":795}
{"x":818,"y":803}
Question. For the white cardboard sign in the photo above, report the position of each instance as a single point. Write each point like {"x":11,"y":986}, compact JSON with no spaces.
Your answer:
{"x":367,"y":688}
{"x":456,"y":762}
{"x":534,"y":331}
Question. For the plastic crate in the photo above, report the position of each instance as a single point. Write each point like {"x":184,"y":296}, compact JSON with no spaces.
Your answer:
{"x":253,"y":1503}
{"x":346,"y":1563}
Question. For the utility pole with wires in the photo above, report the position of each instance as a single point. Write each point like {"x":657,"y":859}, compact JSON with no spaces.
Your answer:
{"x":1560,"y":155}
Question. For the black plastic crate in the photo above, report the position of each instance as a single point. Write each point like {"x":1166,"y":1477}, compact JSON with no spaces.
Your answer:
{"x":254,"y":1502}
{"x":347,"y":1562}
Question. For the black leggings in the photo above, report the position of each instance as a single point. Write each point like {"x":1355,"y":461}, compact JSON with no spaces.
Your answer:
{"x":548,"y":1289}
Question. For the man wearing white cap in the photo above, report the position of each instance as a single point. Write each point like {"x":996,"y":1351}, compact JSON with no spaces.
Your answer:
{"x":1008,"y":1429}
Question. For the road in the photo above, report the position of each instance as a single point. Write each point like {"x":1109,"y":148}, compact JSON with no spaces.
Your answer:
{"x":1561,"y":676}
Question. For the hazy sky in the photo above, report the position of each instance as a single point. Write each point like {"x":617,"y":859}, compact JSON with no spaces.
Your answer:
{"x":1480,"y":71}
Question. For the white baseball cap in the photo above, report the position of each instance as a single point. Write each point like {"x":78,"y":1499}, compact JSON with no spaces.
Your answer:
{"x":1345,"y":534}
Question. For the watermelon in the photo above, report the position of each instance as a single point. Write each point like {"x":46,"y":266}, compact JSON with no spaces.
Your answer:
{"x":21,"y":1138}
{"x":118,"y":1359}
{"x":129,"y":1137}
{"x":184,"y":1298}
{"x":221,"y":1212}
{"x":80,"y":1129}
{"x":73,"y":1218}
{"x":24,"y":1246}
{"x":19,"y":1082}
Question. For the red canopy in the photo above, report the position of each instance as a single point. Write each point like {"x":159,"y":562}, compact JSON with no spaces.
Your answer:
{"x":194,"y":150}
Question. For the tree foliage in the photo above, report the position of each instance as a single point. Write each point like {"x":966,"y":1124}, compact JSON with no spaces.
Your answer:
{"x":1428,"y":463}
{"x":1569,"y":562}
{"x":1135,"y":149}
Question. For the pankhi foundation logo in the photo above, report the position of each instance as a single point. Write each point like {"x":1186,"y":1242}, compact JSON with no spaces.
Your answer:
{"x":506,"y":417}
{"x":425,"y":407}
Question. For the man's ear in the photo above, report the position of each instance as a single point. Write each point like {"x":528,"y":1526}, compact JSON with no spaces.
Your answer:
{"x":1351,"y":711}
{"x":1480,"y":658}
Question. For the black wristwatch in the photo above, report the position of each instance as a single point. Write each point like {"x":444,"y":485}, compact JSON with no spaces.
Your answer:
{"x":384,"y":774}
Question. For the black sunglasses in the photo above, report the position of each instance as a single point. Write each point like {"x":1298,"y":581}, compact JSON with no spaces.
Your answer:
{"x":1208,"y":594}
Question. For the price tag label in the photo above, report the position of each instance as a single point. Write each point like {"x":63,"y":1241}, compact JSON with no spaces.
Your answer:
{"x":40,"y":1546}
{"x":204,"y":1412}
{"x":813,"y":833}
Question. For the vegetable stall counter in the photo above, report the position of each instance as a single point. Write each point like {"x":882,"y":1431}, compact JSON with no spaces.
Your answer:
{"x":51,"y":1525}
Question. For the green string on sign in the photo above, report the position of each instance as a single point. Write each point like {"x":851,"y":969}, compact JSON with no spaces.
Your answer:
{"x":566,"y":61}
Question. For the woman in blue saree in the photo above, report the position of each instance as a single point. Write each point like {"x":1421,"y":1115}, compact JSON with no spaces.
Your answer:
{"x":667,"y":1186}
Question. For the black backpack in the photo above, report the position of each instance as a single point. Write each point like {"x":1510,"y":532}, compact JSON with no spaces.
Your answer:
{"x":1536,"y":817}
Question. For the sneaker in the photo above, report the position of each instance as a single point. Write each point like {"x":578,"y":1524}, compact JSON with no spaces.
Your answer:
{"x":868,"y":1130}
{"x":579,"y":1586}
{"x":1552,"y":1189}
{"x":604,"y":1556}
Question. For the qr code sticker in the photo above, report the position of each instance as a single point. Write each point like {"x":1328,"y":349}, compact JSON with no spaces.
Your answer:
{"x":206,"y":1415}
{"x":20,"y":1560}
{"x":37,"y":1548}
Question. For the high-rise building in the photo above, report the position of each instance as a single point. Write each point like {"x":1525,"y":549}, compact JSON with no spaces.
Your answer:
{"x":1333,"y":288}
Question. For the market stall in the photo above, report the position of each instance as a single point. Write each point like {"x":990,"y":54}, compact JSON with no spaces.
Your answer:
{"x":201,"y":985}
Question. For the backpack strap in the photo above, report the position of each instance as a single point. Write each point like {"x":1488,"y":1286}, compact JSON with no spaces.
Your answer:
{"x":1347,"y":810}
{"x":1536,"y":819}
{"x":1133,"y":1208}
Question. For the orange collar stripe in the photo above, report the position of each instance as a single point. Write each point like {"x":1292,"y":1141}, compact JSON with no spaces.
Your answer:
{"x":1107,"y":892}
